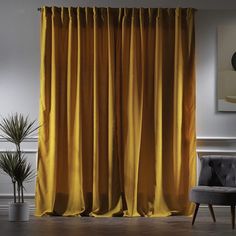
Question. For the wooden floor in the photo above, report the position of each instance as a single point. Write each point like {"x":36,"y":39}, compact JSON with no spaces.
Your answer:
{"x":70,"y":226}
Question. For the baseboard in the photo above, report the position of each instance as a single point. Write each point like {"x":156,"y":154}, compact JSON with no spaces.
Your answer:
{"x":215,"y":206}
{"x":5,"y":199}
{"x":4,"y":208}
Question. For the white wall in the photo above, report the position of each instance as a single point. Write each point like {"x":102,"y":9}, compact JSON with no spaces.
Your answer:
{"x":19,"y":57}
{"x":19,"y":62}
{"x":19,"y":53}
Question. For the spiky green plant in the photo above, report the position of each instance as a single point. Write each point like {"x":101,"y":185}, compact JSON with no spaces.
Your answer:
{"x":8,"y":164}
{"x":15,"y":129}
{"x":22,"y":173}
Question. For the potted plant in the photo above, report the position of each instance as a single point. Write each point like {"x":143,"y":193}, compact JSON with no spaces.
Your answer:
{"x":15,"y":129}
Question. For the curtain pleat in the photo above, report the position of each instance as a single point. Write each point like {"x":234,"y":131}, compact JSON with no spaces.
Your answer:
{"x":117,"y":112}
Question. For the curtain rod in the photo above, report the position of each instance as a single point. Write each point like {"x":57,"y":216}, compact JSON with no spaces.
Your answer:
{"x":39,"y":9}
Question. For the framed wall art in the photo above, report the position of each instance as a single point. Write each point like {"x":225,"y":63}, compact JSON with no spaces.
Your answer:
{"x":226,"y":94}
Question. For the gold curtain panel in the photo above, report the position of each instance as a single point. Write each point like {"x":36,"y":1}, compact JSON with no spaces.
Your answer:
{"x":117,"y":112}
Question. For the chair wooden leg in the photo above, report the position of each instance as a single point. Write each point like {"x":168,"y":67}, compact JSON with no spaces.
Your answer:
{"x":195,"y":212}
{"x":233,"y":215}
{"x":212,"y":212}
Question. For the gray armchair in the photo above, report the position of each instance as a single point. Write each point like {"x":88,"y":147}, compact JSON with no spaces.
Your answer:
{"x":216,"y":185}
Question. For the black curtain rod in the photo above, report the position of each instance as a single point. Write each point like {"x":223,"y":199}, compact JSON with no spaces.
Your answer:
{"x":39,"y":9}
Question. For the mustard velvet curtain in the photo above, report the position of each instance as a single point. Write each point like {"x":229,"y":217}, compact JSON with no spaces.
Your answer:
{"x":117,"y":109}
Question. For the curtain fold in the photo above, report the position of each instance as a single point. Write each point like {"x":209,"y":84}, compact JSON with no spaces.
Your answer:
{"x":117,"y":112}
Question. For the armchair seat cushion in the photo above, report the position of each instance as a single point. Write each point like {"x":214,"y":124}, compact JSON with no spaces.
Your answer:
{"x":214,"y":195}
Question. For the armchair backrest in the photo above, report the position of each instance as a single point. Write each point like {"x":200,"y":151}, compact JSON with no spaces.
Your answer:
{"x":218,"y":170}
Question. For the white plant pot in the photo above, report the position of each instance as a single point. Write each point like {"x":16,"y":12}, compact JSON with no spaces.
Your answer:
{"x":18,"y":211}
